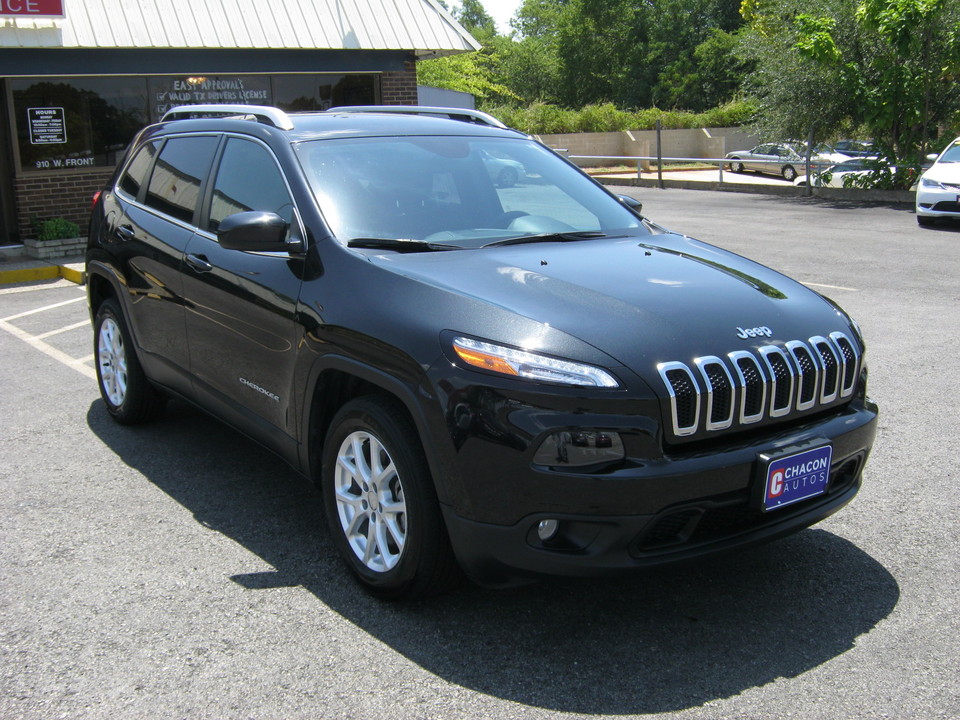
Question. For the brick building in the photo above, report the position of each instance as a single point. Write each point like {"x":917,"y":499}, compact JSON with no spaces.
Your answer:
{"x":79,"y":77}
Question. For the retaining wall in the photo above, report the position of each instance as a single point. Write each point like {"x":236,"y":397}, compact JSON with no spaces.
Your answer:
{"x":693,"y":143}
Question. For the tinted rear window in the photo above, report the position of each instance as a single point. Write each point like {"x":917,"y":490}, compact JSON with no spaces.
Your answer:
{"x":178,"y":175}
{"x":136,"y":172}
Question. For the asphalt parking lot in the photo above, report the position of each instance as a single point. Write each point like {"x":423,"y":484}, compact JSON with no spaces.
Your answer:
{"x":177,"y":571}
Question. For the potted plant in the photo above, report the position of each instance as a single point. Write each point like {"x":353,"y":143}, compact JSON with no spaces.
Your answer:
{"x":55,"y":237}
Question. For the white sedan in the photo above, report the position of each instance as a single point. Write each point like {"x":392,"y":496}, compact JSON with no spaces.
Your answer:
{"x":833,"y":175}
{"x":938,"y":192}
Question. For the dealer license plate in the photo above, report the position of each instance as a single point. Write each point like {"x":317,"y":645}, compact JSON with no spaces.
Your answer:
{"x":792,"y":478}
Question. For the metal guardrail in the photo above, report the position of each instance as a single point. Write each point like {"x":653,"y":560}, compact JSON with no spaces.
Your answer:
{"x":809,"y":166}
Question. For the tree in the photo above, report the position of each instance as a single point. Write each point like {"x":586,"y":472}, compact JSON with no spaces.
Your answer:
{"x":675,"y":54}
{"x":475,"y":19}
{"x":472,"y":73}
{"x":476,"y":73}
{"x":887,"y":66}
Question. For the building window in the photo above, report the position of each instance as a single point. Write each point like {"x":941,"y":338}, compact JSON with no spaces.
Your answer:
{"x":322,"y":92}
{"x":83,"y":122}
{"x":169,"y":91}
{"x":76,"y":122}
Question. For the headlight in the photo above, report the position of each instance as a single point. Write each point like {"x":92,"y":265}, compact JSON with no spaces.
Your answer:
{"x":931,"y":184}
{"x":530,"y":366}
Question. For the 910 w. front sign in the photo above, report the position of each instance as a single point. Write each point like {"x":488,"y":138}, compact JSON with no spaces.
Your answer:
{"x":32,"y":8}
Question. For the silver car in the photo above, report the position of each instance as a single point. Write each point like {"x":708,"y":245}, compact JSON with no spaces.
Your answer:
{"x":773,"y":158}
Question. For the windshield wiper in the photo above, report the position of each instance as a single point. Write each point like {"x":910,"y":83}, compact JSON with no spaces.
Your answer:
{"x":404,"y":245}
{"x":549,"y":237}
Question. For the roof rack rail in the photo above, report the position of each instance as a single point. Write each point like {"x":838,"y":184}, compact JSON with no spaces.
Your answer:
{"x":262,"y":113}
{"x":464,"y":114}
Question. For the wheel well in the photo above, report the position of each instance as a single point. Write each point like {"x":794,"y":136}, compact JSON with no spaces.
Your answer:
{"x":333,"y":390}
{"x":98,"y":290}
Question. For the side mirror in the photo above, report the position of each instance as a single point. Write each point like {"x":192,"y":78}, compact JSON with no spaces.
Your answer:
{"x":253,"y":232}
{"x":632,"y":203}
{"x":931,"y":157}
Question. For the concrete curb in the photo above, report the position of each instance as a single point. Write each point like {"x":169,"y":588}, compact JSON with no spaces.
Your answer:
{"x":32,"y":271}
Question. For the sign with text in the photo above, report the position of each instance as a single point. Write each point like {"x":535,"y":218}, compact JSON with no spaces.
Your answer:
{"x":32,"y":8}
{"x":48,"y":126}
{"x":168,"y":92}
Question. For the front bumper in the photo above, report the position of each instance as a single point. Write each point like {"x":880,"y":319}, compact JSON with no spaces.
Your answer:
{"x":937,"y":202}
{"x":683,"y":507}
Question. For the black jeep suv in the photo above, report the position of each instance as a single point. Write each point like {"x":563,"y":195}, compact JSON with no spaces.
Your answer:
{"x":485,"y":359}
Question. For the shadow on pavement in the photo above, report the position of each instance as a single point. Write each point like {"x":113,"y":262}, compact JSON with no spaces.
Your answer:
{"x":664,"y":641}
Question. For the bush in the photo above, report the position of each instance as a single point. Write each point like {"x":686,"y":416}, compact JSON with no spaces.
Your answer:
{"x":55,"y":229}
{"x":884,"y":176}
{"x":542,"y":118}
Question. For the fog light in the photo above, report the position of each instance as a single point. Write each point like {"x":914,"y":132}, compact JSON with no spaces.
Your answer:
{"x":547,"y":529}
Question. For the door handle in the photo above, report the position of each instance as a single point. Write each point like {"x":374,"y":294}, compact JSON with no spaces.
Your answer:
{"x":199,"y":263}
{"x":126,"y":232}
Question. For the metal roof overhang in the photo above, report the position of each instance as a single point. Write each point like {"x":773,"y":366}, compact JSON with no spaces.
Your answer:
{"x":35,"y":62}
{"x":422,"y":27}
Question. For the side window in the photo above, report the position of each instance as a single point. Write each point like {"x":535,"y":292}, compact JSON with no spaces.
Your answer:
{"x":248,"y":179}
{"x":136,"y":172}
{"x":175,"y":183}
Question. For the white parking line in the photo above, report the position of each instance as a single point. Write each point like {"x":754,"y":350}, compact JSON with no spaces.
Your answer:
{"x":49,"y":350}
{"x":37,"y":341}
{"x":82,"y":298}
{"x":68,"y":328}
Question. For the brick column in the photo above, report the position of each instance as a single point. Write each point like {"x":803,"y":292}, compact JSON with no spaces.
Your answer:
{"x":400,"y":88}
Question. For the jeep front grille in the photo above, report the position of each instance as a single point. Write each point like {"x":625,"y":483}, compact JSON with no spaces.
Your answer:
{"x":747,"y":386}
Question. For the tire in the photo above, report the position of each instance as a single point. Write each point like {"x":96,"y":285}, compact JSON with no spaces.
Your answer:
{"x":126,"y":391}
{"x":381,"y":505}
{"x":737,"y":167}
{"x":508,"y":177}
{"x":924,"y":221}
{"x":789,"y":173}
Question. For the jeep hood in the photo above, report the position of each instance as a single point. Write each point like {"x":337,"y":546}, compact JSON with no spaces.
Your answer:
{"x":641,"y":299}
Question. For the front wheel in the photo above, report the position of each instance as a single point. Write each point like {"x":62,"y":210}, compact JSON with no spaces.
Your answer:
{"x":380,"y":502}
{"x":924,"y":221}
{"x":125,"y":389}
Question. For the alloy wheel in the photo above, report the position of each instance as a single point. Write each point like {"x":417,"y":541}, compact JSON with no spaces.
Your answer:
{"x":370,"y":501}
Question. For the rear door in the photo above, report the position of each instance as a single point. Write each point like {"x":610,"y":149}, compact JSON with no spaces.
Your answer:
{"x":240,"y":306}
{"x":160,"y":193}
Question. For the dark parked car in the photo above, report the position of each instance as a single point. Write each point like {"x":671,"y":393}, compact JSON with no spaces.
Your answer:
{"x":513,"y":381}
{"x":856,"y":148}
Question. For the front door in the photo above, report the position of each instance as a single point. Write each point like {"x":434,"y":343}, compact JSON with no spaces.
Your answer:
{"x":240,"y":306}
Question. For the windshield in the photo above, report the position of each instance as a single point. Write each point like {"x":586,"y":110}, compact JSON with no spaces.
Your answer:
{"x":452,"y":190}
{"x":951,"y":155}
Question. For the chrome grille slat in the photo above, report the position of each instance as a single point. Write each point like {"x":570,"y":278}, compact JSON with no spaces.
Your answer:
{"x":850,"y":362}
{"x":808,"y":370}
{"x":720,"y":392}
{"x":684,"y":397}
{"x":782,"y":380}
{"x":767,"y":382}
{"x":830,"y":365}
{"x":753,"y":384}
